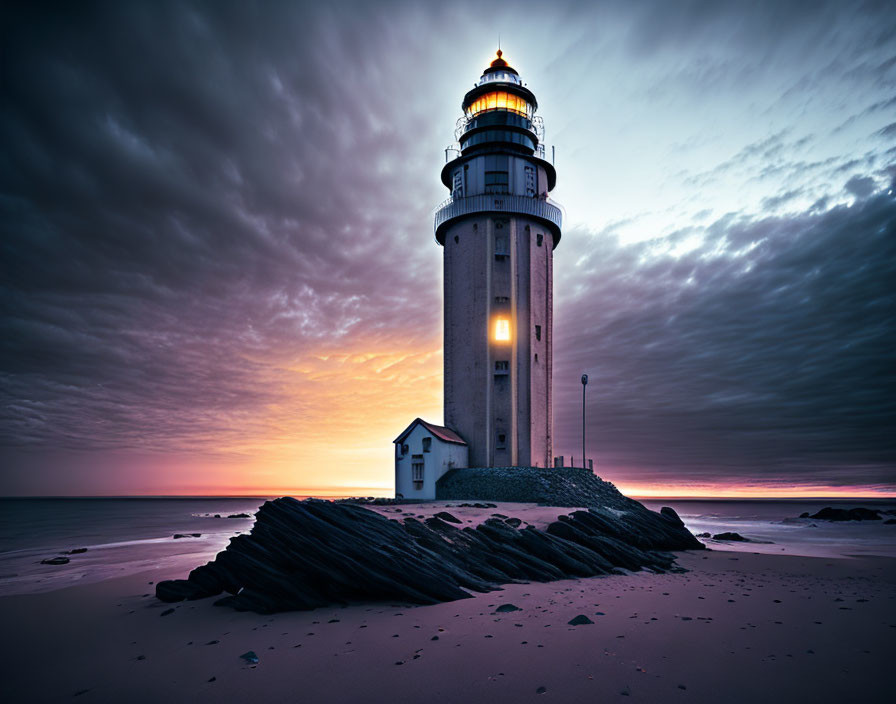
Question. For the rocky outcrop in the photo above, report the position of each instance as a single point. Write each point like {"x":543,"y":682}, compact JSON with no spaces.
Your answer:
{"x":551,"y":486}
{"x":731,"y":537}
{"x":308,"y":554}
{"x":847,"y":514}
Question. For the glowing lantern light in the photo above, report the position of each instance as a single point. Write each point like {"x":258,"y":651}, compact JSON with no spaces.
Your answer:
{"x":502,"y":330}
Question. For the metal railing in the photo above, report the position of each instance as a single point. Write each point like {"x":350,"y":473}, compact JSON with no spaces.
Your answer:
{"x":543,"y":208}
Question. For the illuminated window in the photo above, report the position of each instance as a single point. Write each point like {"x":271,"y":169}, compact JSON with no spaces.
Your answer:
{"x":502,"y":330}
{"x":499,"y":100}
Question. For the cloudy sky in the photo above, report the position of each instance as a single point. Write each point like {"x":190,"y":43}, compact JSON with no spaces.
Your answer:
{"x":218,"y":273}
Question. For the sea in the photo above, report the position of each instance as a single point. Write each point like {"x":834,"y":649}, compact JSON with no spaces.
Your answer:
{"x":125,"y":536}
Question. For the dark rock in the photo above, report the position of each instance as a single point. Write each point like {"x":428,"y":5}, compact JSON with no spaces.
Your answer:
{"x":167,"y":612}
{"x":187,"y":535}
{"x":704,"y":535}
{"x":843,"y":514}
{"x":239,"y":515}
{"x":507,"y":608}
{"x":732,"y":537}
{"x":312,"y":553}
{"x":670,"y":515}
{"x":804,"y":514}
{"x":250,"y":657}
{"x":76,"y":551}
{"x":55,"y":561}
{"x":445,"y":516}
{"x":513,"y":522}
{"x":890,"y":522}
{"x":580,"y":621}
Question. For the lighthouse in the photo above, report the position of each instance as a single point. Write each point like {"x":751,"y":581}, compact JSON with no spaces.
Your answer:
{"x":498,"y":230}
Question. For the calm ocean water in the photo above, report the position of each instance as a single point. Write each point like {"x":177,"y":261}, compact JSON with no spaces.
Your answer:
{"x":125,"y":536}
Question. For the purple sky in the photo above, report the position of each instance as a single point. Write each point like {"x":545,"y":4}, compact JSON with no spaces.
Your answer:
{"x":219,"y":275}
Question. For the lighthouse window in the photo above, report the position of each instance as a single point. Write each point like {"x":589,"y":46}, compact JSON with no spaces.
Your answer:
{"x":539,"y":239}
{"x":497,"y":182}
{"x":538,"y":332}
{"x":502,"y":366}
{"x":501,"y":444}
{"x":458,"y":190}
{"x":501,"y":252}
{"x":502,"y":330}
{"x":530,"y":181}
{"x":499,"y":100}
{"x":501,"y":299}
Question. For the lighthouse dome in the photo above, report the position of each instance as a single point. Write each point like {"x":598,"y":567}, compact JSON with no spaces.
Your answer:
{"x":500,"y":71}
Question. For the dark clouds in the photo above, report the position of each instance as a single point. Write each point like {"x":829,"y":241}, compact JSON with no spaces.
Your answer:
{"x":765,"y":354}
{"x":198,"y":197}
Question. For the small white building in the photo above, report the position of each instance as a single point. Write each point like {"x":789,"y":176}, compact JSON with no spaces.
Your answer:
{"x":423,"y":453}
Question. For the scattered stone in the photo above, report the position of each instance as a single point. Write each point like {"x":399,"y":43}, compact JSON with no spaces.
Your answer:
{"x":580,"y":620}
{"x":167,"y":612}
{"x":513,"y":522}
{"x":250,"y":657}
{"x":541,"y":690}
{"x":239,"y":515}
{"x":445,"y":516}
{"x":212,"y":679}
{"x":507,"y":608}
{"x":55,"y":561}
{"x":186,"y":535}
{"x":704,"y":535}
{"x":733,"y":537}
{"x":76,"y":551}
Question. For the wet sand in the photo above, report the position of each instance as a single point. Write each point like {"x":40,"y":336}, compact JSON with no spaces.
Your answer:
{"x":737,"y":627}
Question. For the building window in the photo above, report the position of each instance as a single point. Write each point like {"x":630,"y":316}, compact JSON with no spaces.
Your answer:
{"x":497,"y":182}
{"x":502,"y":299}
{"x":427,"y":444}
{"x":536,"y":357}
{"x":539,"y":239}
{"x":501,"y":442}
{"x":538,"y":332}
{"x":456,"y":239}
{"x":502,"y":330}
{"x":417,"y":471}
{"x":502,"y":366}
{"x":404,"y":449}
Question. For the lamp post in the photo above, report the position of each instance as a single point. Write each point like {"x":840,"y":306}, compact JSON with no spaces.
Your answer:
{"x":584,"y":384}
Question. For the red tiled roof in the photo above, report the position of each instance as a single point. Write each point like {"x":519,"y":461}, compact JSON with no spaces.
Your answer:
{"x":440,"y":431}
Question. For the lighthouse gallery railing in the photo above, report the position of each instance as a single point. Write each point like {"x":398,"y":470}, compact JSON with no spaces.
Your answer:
{"x":542,"y":208}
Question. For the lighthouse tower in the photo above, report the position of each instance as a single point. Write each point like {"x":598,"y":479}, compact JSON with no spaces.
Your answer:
{"x":499,"y":230}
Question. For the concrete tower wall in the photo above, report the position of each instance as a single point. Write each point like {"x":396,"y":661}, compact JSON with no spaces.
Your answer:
{"x":497,"y":393}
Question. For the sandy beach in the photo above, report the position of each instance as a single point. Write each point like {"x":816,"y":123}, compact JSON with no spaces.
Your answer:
{"x":736,"y":627}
